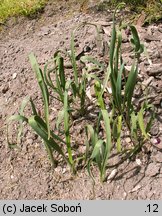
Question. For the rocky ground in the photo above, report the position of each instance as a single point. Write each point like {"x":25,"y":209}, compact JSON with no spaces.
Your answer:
{"x":25,"y":172}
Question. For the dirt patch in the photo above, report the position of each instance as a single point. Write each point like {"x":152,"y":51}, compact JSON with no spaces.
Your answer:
{"x":25,"y":173}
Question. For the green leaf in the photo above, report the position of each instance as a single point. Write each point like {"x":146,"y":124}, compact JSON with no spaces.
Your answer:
{"x":84,"y":59}
{"x":50,"y":154}
{"x":17,"y":118}
{"x":43,"y":88}
{"x":112,"y":47}
{"x":89,"y":171}
{"x":47,"y":76}
{"x":134,"y":119}
{"x":117,"y":54}
{"x":36,"y":123}
{"x":136,"y":40}
{"x":97,"y":149}
{"x":61,"y":72}
{"x":67,"y":127}
{"x":43,"y":125}
{"x":23,"y":105}
{"x":114,"y":129}
{"x":141,"y":123}
{"x":119,"y":126}
{"x":60,"y":118}
{"x":108,"y":142}
{"x":97,"y":87}
{"x":96,"y":146}
{"x":93,"y":137}
{"x":93,"y":76}
{"x":20,"y":119}
{"x":150,"y":122}
{"x":130,"y":85}
{"x":33,"y":107}
{"x":118,"y":87}
{"x":106,"y":78}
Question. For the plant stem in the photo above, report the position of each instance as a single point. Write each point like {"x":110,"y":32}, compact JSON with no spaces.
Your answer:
{"x":49,"y":151}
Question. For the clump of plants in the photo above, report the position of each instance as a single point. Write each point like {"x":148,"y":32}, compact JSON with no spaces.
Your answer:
{"x":69,"y":92}
{"x":151,"y":8}
{"x":9,"y":8}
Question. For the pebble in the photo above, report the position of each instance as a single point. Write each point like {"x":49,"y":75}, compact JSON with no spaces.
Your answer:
{"x":12,"y":177}
{"x":127,"y":139}
{"x":92,"y":91}
{"x":86,"y":48}
{"x":154,"y":69}
{"x":145,"y":83}
{"x":149,"y":38}
{"x":155,"y":129}
{"x":156,"y":142}
{"x":5,"y":88}
{"x":158,"y":157}
{"x":17,"y":50}
{"x":138,"y":161}
{"x":152,"y":169}
{"x":136,"y":188}
{"x":30,"y":141}
{"x":14,"y":75}
{"x":107,"y":31}
{"x":138,"y":91}
{"x":112,"y":174}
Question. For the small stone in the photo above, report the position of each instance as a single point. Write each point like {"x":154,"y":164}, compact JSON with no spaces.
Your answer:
{"x":112,"y":174}
{"x":147,"y":82}
{"x":58,"y":169}
{"x":152,"y":169}
{"x":92,"y":91}
{"x":30,"y":141}
{"x":138,"y":91}
{"x":37,"y":145}
{"x":45,"y":31}
{"x":17,"y":50}
{"x":62,"y":43}
{"x":156,"y":141}
{"x":79,"y":53}
{"x":154,"y":69}
{"x":156,"y":55}
{"x":124,"y":195}
{"x":127,"y":139}
{"x":136,"y":188}
{"x":128,"y":68}
{"x":149,"y":38}
{"x":88,"y":93}
{"x":5,"y":88}
{"x":138,"y":161}
{"x":14,"y":75}
{"x":107,"y":31}
{"x":86,"y":48}
{"x":155,"y":128}
{"x":109,"y":90}
{"x":76,"y":45}
{"x":158,"y":157}
{"x":64,"y":170}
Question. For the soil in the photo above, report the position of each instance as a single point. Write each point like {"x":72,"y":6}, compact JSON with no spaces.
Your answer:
{"x":25,"y":172}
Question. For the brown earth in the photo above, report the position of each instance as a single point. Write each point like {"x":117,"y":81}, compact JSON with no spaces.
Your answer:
{"x":25,"y":172}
